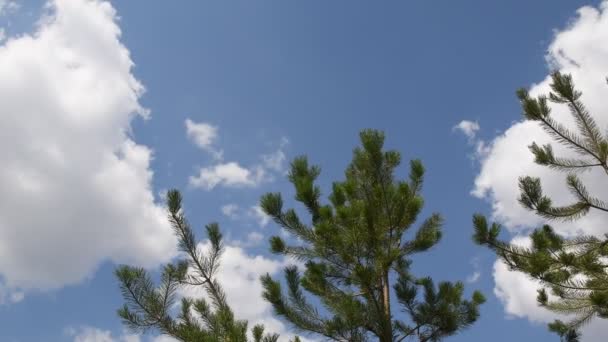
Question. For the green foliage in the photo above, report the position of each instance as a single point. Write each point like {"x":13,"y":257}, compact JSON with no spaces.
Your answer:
{"x":566,"y":333}
{"x":572,"y":269}
{"x":354,"y":250}
{"x":150,"y":306}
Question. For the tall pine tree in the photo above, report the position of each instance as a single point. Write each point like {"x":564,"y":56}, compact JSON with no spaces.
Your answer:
{"x":357,"y":256}
{"x":198,"y":320}
{"x":572,"y":269}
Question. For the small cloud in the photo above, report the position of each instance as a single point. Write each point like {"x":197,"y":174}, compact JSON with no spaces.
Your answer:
{"x":251,"y":240}
{"x":10,"y":296}
{"x":163,"y":338}
{"x":204,"y":135}
{"x":253,"y":213}
{"x":8,"y":7}
{"x":92,"y":334}
{"x":232,"y":174}
{"x":275,"y":161}
{"x":230,"y":210}
{"x":468,"y":128}
{"x":254,"y":238}
{"x":227,"y":174}
{"x":261,"y":217}
{"x":473,"y":278}
{"x":162,"y":195}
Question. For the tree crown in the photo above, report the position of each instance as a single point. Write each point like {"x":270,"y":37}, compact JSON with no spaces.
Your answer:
{"x":354,"y":250}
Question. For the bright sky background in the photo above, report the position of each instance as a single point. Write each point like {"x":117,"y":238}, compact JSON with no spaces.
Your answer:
{"x":233,"y":91}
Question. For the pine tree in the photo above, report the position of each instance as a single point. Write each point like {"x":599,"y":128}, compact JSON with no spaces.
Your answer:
{"x":355,"y":251}
{"x":573,"y":269}
{"x":198,"y":320}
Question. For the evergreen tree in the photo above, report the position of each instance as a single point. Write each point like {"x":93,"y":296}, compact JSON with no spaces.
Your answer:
{"x":355,"y":251}
{"x":197,"y":320}
{"x":573,"y":269}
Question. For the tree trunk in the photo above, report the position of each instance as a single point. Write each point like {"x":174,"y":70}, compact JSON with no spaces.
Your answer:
{"x":387,"y":335}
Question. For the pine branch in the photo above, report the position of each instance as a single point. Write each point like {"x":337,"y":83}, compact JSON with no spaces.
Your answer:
{"x":149,"y":306}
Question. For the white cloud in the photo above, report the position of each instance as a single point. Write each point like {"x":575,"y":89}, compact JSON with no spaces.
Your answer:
{"x":163,"y":338}
{"x":253,"y":213}
{"x":204,"y":136}
{"x":76,"y":189}
{"x":230,"y":210}
{"x":228,"y":174}
{"x":474,"y":277}
{"x":8,"y":6}
{"x":468,"y":128}
{"x":254,"y":238}
{"x":276,"y":161}
{"x":91,"y":334}
{"x":10,"y":296}
{"x":232,"y":174}
{"x":518,"y":294}
{"x":578,"y":50}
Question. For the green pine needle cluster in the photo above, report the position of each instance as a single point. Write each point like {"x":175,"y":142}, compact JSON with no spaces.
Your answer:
{"x":573,"y":270}
{"x":357,"y":256}
{"x":150,"y":306}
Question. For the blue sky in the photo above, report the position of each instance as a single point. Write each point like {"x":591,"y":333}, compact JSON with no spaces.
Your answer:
{"x":272,"y":79}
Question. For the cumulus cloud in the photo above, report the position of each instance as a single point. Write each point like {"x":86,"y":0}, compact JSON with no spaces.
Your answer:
{"x":76,"y":188}
{"x":204,"y":136}
{"x":518,"y":294}
{"x":580,"y":50}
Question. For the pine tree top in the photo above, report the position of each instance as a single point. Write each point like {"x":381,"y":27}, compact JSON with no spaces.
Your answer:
{"x":356,"y":249}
